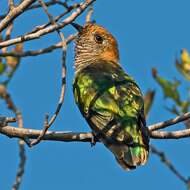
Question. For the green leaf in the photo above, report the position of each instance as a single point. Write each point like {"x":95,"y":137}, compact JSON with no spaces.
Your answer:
{"x":183,"y":65}
{"x":182,"y":70}
{"x":173,"y":110}
{"x":12,"y":61}
{"x":148,"y":101}
{"x":184,"y":106}
{"x":2,"y":68}
{"x":170,"y":89}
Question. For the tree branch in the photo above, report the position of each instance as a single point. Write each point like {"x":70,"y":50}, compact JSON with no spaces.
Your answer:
{"x":167,"y":162}
{"x":22,"y":155}
{"x":169,"y":122}
{"x":11,"y":4}
{"x":170,"y":135}
{"x":6,"y":96}
{"x":47,"y":124}
{"x":25,"y":134}
{"x":89,"y":15}
{"x":48,"y":29}
{"x":5,"y":120}
{"x":57,"y":18}
{"x":50,"y":3}
{"x":15,"y":12}
{"x":40,"y":51}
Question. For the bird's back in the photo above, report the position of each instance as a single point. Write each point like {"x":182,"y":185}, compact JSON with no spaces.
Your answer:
{"x":112,"y":104}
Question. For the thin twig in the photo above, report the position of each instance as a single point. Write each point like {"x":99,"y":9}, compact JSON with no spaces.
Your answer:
{"x":5,"y":120}
{"x":170,"y":135}
{"x":14,"y":132}
{"x":20,"y":171}
{"x":40,"y":51}
{"x":50,"y":3}
{"x":56,"y":19}
{"x":167,"y":162}
{"x":169,"y":122}
{"x":89,"y":14}
{"x":49,"y":29}
{"x":24,"y":134}
{"x":8,"y":32}
{"x":14,"y":13}
{"x":11,"y":4}
{"x":79,"y":137}
{"x":47,"y":124}
{"x":10,"y":26}
{"x":22,"y":155}
{"x":6,"y":96}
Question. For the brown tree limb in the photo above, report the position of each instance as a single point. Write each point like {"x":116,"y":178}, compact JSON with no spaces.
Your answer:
{"x":170,"y":135}
{"x":49,"y":3}
{"x":8,"y":32}
{"x":57,"y":18}
{"x":89,"y":15}
{"x":47,"y":124}
{"x":169,"y":122}
{"x":5,"y":120}
{"x":49,"y":29}
{"x":14,"y":132}
{"x":20,"y":171}
{"x":6,"y":96}
{"x":168,"y":163}
{"x":10,"y":26}
{"x":14,"y":13}
{"x":22,"y":155}
{"x":40,"y":51}
{"x":24,"y":133}
{"x":11,"y":4}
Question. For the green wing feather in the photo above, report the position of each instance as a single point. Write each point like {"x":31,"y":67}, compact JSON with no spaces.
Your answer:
{"x":112,"y":104}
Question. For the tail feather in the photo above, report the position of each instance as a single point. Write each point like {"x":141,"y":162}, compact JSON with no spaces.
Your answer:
{"x":124,"y":164}
{"x":129,"y":157}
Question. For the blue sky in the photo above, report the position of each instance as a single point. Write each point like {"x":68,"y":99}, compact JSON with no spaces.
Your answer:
{"x":149,"y":34}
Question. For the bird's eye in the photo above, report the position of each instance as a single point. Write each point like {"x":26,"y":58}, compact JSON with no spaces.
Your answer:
{"x":98,"y":38}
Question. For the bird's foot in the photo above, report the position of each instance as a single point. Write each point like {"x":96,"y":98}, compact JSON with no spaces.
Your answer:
{"x":93,"y":140}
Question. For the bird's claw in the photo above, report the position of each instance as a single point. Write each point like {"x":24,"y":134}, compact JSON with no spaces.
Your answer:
{"x":93,"y":141}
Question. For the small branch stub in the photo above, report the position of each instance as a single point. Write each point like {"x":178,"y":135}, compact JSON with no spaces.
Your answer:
{"x":5,"y":120}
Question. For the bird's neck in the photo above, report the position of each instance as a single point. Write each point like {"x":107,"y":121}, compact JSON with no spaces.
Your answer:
{"x":83,"y":61}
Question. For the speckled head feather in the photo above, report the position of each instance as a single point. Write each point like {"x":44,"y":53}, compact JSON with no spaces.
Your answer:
{"x":95,"y":44}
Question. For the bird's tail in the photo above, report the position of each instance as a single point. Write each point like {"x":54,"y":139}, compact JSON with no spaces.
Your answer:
{"x":132,"y":158}
{"x":130,"y":155}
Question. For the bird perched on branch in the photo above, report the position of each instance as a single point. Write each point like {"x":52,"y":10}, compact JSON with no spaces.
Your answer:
{"x":108,"y":98}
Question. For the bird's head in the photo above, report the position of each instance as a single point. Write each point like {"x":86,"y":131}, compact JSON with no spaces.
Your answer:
{"x":94,"y":44}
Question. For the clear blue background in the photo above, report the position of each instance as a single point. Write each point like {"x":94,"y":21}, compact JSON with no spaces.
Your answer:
{"x":150,"y":34}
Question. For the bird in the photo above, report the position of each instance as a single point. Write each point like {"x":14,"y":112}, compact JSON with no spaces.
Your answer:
{"x":108,"y":98}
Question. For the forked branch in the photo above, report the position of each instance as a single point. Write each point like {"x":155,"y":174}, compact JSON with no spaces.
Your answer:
{"x":24,"y":133}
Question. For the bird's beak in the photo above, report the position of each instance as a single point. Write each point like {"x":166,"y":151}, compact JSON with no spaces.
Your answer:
{"x":77,"y":26}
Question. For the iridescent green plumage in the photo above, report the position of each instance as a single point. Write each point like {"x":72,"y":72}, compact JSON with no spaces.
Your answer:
{"x":109,"y":99}
{"x":112,"y":104}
